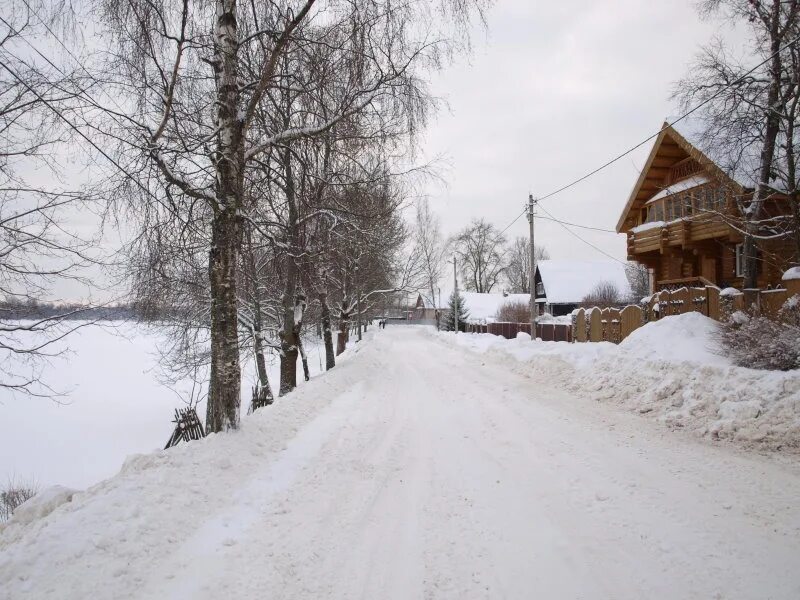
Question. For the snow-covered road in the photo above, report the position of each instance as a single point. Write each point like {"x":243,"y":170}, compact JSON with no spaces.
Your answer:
{"x":417,"y":469}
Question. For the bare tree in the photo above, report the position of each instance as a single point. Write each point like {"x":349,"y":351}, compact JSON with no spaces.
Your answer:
{"x":747,"y":114}
{"x":480,"y":249}
{"x":639,"y":278}
{"x":518,"y":264}
{"x":604,"y":295}
{"x":430,"y":246}
{"x":39,"y":251}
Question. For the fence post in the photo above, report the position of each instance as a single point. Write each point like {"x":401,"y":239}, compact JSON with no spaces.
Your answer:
{"x":713,"y":308}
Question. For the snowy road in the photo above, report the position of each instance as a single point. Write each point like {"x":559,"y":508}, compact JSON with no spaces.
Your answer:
{"x":432,"y":472}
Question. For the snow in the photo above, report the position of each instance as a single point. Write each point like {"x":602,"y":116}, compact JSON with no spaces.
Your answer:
{"x":570,"y":281}
{"x":792,"y":274}
{"x":465,"y":476}
{"x":548,"y":319}
{"x":483,"y":308}
{"x":42,"y":504}
{"x":114,"y":406}
{"x":669,"y":370}
{"x":689,"y":337}
{"x":648,"y":226}
{"x":680,"y":186}
{"x":729,"y":291}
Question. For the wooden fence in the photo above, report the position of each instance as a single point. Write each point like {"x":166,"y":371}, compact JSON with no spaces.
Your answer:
{"x":614,"y":325}
{"x":549,"y":332}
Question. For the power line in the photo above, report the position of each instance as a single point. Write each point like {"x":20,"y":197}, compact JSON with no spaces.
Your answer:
{"x":580,"y":238}
{"x":670,"y":124}
{"x":577,"y":225}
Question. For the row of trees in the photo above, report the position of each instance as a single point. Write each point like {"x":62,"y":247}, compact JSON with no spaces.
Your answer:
{"x":256,"y":156}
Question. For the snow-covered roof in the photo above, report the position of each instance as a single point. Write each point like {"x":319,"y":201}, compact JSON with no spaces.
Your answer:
{"x":680,"y":186}
{"x":483,"y":308}
{"x":570,"y":281}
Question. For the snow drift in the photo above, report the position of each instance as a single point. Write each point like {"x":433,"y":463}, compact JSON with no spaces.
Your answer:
{"x":669,"y":371}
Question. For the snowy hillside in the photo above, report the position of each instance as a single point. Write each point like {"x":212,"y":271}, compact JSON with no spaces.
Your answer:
{"x":390,"y":478}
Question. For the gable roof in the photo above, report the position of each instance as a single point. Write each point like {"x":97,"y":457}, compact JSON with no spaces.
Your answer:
{"x":570,"y":281}
{"x":669,"y":148}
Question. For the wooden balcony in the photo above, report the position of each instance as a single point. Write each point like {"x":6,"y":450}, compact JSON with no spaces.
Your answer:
{"x":679,"y":232}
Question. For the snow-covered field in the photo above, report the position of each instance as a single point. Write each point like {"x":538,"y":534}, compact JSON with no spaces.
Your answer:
{"x":114,"y":407}
{"x":420,"y":468}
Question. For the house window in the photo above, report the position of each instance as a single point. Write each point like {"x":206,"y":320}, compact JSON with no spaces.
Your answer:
{"x":539,"y":289}
{"x":740,"y":260}
{"x":687,"y":205}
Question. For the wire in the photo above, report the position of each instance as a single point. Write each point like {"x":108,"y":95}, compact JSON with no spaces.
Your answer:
{"x":581,"y":239}
{"x":551,"y":218}
{"x":507,"y":227}
{"x":670,"y":124}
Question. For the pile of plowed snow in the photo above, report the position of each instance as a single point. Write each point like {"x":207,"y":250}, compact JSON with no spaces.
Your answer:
{"x":668,"y":370}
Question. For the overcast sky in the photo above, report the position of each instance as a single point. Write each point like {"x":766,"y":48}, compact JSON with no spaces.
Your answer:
{"x":552,"y":91}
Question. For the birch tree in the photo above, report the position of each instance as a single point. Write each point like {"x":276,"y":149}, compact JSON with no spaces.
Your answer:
{"x":200,"y":74}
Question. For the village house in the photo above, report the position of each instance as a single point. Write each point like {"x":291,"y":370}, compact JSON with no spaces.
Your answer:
{"x":561,"y":285}
{"x":682,"y":220}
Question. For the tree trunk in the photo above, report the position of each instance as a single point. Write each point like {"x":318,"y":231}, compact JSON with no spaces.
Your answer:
{"x":258,"y":319}
{"x":224,"y":393}
{"x":224,"y":390}
{"x":303,"y":358}
{"x":771,"y":129}
{"x":289,"y":341}
{"x":330,"y":359}
{"x":344,"y":332}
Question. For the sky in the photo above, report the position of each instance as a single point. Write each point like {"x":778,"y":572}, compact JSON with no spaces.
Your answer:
{"x":551,"y":91}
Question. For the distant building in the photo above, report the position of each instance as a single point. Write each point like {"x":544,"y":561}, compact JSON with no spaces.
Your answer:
{"x":561,"y":285}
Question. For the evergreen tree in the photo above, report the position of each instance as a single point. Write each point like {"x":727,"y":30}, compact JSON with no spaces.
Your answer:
{"x":457,"y":304}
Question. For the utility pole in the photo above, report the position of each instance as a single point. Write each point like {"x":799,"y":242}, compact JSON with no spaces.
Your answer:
{"x":456,"y":303}
{"x":532,"y":275}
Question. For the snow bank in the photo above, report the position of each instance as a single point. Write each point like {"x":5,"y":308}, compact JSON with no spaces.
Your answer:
{"x":126,"y":525}
{"x":669,"y":371}
{"x":688,"y":337}
{"x":41,"y":505}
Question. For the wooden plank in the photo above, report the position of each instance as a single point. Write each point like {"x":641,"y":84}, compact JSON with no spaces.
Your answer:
{"x":595,"y":325}
{"x":712,"y":302}
{"x":631,"y":318}
{"x":580,"y":326}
